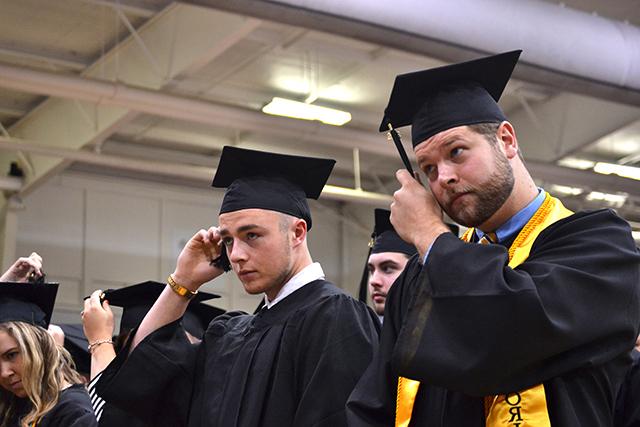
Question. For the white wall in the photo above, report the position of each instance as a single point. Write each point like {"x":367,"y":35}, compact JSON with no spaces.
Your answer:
{"x":96,"y":231}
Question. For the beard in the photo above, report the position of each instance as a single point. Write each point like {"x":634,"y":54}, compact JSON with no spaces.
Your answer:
{"x":490,"y":195}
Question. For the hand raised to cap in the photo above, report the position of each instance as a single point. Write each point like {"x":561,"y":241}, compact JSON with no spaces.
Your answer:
{"x":415,"y":213}
{"x":97,"y":318}
{"x":23,"y":268}
{"x":194,"y":268}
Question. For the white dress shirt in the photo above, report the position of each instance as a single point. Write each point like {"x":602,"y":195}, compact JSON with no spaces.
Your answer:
{"x":307,"y":275}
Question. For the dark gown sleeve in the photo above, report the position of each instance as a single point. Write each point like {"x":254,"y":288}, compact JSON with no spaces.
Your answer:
{"x":477,"y":326}
{"x":627,"y":412}
{"x":337,"y":338}
{"x":155,"y":381}
{"x":373,"y":401}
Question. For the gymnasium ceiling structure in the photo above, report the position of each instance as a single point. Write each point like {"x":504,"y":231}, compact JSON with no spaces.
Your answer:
{"x":154,"y":89}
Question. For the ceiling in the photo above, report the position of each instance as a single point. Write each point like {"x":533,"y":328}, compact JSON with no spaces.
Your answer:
{"x":109,"y":85}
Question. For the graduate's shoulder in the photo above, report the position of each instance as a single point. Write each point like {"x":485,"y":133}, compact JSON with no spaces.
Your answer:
{"x":331,"y":316}
{"x":73,"y":408}
{"x":598,"y":222}
{"x":228,"y":320}
{"x":598,"y":226}
{"x":327,"y":299}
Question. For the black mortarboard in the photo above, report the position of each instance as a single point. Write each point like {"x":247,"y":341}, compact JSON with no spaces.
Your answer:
{"x":137,"y":300}
{"x":276,"y":182}
{"x":385,"y":237}
{"x":77,"y":345}
{"x":445,"y":97}
{"x":27,"y":302}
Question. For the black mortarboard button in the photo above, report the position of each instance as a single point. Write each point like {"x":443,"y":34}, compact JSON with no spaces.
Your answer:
{"x":441,"y":98}
{"x":27,"y":302}
{"x":77,"y":345}
{"x":271,"y":181}
{"x":137,"y":300}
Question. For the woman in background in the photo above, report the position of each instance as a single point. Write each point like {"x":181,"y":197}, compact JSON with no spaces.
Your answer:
{"x":39,"y":386}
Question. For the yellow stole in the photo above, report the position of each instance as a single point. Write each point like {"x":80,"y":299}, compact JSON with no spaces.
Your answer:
{"x":526,"y":408}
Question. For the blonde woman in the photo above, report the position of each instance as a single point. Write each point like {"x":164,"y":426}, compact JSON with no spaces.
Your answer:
{"x":39,"y":386}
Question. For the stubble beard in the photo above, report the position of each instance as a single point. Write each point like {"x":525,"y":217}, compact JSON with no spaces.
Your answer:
{"x":490,"y":196}
{"x":285,"y":272}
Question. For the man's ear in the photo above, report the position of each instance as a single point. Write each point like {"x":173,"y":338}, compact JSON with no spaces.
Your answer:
{"x":507,"y":138}
{"x":299,"y":227}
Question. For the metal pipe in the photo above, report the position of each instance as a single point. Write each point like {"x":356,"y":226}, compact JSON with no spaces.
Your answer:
{"x":553,"y":36}
{"x":356,"y":169}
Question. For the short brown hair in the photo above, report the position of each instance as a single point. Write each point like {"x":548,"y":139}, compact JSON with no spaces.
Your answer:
{"x":488,"y":130}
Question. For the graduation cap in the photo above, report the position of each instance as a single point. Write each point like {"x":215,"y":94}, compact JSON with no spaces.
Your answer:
{"x":137,"y":300}
{"x":441,"y":98}
{"x":271,"y":181}
{"x":27,"y":302}
{"x":385,"y":239}
{"x":77,"y":345}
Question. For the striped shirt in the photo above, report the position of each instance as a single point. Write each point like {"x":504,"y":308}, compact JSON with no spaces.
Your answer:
{"x":97,"y":403}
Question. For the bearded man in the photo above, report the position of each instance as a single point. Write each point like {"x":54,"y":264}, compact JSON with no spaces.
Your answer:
{"x":529,"y":319}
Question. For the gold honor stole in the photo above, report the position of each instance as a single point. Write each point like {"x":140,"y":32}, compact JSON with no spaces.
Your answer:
{"x":527,"y":408}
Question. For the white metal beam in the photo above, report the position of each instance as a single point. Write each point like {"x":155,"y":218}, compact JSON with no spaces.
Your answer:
{"x":172,"y":170}
{"x":567,"y":123}
{"x":181,"y":38}
{"x":576,"y":126}
{"x":47,"y":58}
{"x":131,"y":7}
{"x":132,"y":98}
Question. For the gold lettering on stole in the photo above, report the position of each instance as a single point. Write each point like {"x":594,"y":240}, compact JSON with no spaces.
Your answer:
{"x":526,"y":408}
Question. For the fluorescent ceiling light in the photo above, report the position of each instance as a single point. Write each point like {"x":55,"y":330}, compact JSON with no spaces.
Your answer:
{"x":615,"y":199}
{"x":636,"y":235}
{"x":621,"y":170}
{"x":300,"y":110}
{"x":575,"y":163}
{"x":566,"y":190}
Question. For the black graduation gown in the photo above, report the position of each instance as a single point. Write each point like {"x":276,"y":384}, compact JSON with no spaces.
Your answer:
{"x":292,"y":365}
{"x":628,"y":402}
{"x":114,"y":417}
{"x":72,"y":410}
{"x":107,"y":414}
{"x":566,"y":318}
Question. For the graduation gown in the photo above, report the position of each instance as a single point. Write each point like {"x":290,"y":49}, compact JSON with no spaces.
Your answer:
{"x":72,"y":410}
{"x":566,"y":318}
{"x":107,"y":414}
{"x":292,"y":365}
{"x":628,"y":402}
